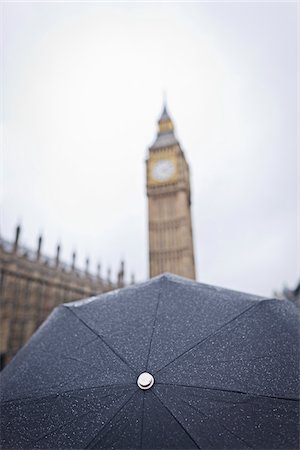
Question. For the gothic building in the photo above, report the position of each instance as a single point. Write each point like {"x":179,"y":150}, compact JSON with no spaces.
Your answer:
{"x":169,"y":204}
{"x":32,"y":284}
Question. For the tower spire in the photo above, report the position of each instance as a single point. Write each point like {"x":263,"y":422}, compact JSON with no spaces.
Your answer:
{"x":165,"y":124}
{"x":165,"y":133}
{"x":164,"y":99}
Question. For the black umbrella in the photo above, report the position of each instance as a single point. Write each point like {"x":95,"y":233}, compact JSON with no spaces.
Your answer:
{"x":170,"y":363}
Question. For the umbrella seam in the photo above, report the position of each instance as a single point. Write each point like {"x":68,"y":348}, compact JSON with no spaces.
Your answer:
{"x":210,"y":335}
{"x":93,"y":367}
{"x":109,"y":422}
{"x":228,"y":390}
{"x":104,"y":342}
{"x":61,"y":426}
{"x":215,"y":420}
{"x":142,"y":426}
{"x":68,"y":422}
{"x":67,"y":392}
{"x":153,"y":327}
{"x":177,"y":421}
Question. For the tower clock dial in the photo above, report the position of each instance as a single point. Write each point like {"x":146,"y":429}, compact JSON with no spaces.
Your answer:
{"x":163,"y":169}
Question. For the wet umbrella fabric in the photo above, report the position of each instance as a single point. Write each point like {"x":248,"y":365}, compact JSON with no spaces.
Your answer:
{"x":224,"y":363}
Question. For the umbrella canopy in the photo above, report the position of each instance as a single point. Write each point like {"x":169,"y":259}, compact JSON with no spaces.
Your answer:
{"x":169,"y":363}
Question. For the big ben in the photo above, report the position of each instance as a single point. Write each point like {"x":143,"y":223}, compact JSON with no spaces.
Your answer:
{"x":169,"y":204}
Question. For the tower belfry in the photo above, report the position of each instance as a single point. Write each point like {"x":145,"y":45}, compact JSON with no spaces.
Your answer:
{"x":169,"y":204}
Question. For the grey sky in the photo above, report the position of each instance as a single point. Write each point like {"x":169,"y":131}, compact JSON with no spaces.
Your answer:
{"x":82,"y":88}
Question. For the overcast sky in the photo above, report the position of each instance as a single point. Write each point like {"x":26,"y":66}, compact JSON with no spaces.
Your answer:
{"x":82,"y":87}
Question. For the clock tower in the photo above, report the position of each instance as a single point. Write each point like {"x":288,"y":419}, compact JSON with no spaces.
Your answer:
{"x":169,"y":205}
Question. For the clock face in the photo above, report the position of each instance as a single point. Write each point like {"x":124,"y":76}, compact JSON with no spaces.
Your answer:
{"x":163,"y":169}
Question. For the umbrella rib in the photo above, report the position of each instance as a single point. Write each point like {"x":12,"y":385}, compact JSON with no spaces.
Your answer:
{"x":209,"y":336}
{"x":100,"y":387}
{"x":103,"y":340}
{"x":42,"y":397}
{"x":291,"y":399}
{"x":153,"y":328}
{"x":93,"y":367}
{"x":61,"y":356}
{"x":211,"y":418}
{"x":177,"y":420}
{"x":61,"y":426}
{"x":67,"y":422}
{"x":112,"y":418}
{"x":142,"y":425}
